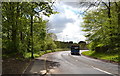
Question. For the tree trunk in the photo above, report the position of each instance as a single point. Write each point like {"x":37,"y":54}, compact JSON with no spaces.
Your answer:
{"x":31,"y":30}
{"x":14,"y":28}
{"x":109,"y":14}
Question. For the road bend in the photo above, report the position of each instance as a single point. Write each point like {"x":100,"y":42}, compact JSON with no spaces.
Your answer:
{"x":65,"y":63}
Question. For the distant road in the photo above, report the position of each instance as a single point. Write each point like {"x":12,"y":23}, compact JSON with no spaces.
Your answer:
{"x":65,"y":63}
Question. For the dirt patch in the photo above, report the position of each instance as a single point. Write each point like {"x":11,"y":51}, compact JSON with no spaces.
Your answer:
{"x":14,"y":66}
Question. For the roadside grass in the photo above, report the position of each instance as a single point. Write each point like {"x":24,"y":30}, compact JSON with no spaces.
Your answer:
{"x":27,"y":55}
{"x":40,"y":53}
{"x":105,"y":56}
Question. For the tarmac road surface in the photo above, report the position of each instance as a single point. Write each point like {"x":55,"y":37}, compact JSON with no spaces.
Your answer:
{"x":63,"y":63}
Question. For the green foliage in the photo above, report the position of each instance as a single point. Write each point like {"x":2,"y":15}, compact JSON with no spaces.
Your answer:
{"x":101,"y":27}
{"x":40,"y":53}
{"x":62,"y":45}
{"x":106,"y":56}
{"x":23,"y":30}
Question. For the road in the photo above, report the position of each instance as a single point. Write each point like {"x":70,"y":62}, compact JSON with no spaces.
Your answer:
{"x":65,"y":63}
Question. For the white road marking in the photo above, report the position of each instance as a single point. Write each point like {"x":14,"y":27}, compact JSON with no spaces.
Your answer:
{"x":76,"y":60}
{"x":91,"y":59}
{"x":43,"y":71}
{"x":101,"y":70}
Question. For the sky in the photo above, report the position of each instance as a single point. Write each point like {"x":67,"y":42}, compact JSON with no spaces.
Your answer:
{"x":67,"y":23}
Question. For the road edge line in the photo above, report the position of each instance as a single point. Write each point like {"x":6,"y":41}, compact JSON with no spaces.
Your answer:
{"x":102,"y":70}
{"x":27,"y":66}
{"x":103,"y":60}
{"x":45,"y":65}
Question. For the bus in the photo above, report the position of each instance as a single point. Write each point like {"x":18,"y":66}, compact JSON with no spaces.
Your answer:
{"x":75,"y":50}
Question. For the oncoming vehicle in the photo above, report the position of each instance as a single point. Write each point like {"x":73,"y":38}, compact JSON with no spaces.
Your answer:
{"x":75,"y":50}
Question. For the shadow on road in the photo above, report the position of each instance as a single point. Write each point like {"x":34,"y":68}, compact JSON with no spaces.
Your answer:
{"x":39,"y":65}
{"x":76,"y":55}
{"x":51,"y":64}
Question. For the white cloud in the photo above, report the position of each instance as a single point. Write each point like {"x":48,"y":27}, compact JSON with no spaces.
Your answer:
{"x":59,"y":21}
{"x":66,"y":24}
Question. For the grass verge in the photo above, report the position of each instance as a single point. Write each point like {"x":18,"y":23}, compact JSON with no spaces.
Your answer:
{"x":40,"y":53}
{"x":105,"y":56}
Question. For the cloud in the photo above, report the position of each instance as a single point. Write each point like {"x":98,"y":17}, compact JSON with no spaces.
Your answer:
{"x":66,"y":24}
{"x":59,"y":21}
